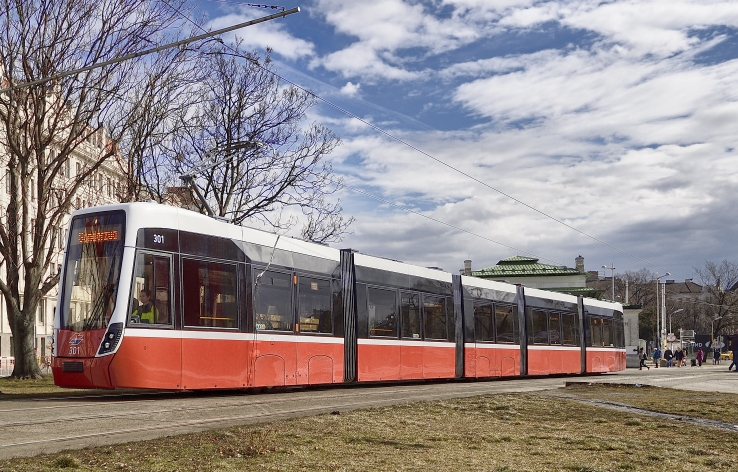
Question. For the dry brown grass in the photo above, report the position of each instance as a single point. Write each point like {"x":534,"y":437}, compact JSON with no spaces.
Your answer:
{"x":519,"y":432}
{"x":709,"y":405}
{"x":43,"y":386}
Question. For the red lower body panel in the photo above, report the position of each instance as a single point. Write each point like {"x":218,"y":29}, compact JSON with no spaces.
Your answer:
{"x":383,"y":360}
{"x":547,"y":360}
{"x":492,"y":360}
{"x":600,"y":360}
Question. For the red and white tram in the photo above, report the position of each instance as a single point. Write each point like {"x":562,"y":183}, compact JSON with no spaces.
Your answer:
{"x":158,"y":297}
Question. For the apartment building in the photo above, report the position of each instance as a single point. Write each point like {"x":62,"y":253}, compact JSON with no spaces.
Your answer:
{"x":104,"y":186}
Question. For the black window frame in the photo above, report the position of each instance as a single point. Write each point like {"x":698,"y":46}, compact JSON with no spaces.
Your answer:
{"x":296,"y":307}
{"x":255,"y":271}
{"x":558,"y":338}
{"x":421,"y":327}
{"x":515,"y":324}
{"x":237,"y":302}
{"x":424,"y":317}
{"x":534,"y":317}
{"x":398,"y":332}
{"x":575,"y":325}
{"x":482,"y":303}
{"x":133,"y":292}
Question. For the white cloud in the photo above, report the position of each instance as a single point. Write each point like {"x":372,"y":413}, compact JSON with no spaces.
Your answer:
{"x":623,"y":134}
{"x":265,"y":35}
{"x":350,"y":89}
{"x":385,"y":30}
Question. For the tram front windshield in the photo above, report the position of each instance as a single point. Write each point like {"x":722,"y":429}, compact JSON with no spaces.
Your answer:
{"x":90,"y":283}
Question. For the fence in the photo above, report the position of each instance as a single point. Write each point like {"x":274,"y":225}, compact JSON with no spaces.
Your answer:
{"x":6,"y":366}
{"x":8,"y":363}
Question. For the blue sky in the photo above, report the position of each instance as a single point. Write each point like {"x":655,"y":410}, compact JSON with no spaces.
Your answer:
{"x":617,"y":117}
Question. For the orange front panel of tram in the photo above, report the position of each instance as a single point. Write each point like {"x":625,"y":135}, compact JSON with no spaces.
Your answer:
{"x":147,"y":362}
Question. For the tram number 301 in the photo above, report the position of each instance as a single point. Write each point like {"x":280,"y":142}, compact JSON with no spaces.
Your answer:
{"x":158,"y":239}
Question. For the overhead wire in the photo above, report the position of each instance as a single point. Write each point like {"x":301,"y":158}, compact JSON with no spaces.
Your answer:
{"x":424,"y":153}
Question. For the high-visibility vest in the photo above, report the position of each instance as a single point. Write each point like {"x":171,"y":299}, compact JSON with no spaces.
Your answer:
{"x":148,"y":316}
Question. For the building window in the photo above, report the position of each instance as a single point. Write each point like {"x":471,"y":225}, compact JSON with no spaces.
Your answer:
{"x":78,"y":168}
{"x":67,"y":169}
{"x":110,"y":188}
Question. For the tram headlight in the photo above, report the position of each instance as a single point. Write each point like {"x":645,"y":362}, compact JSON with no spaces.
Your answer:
{"x":111,"y":339}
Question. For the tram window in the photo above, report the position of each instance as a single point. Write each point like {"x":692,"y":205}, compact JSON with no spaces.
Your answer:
{"x":210,"y":294}
{"x":434,"y":315}
{"x":569,"y":329}
{"x":483,"y":330}
{"x":607,"y":332}
{"x":506,"y":324}
{"x":314,"y":305}
{"x":410,"y":311}
{"x":554,"y":328}
{"x":382,"y":307}
{"x":596,"y":331}
{"x":273,"y":302}
{"x":538,"y":325}
{"x":150,"y":302}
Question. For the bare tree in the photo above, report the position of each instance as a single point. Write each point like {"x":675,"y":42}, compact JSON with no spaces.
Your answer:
{"x":720,"y":302}
{"x":274,"y":162}
{"x":43,"y":126}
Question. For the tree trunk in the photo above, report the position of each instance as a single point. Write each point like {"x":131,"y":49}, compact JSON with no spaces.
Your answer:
{"x":26,"y":364}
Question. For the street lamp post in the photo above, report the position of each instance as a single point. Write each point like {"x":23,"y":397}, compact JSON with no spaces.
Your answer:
{"x":670,"y":315}
{"x":659,"y":332}
{"x":612,"y":276}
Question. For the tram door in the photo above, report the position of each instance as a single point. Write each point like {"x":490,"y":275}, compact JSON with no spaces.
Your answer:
{"x":275,"y":350}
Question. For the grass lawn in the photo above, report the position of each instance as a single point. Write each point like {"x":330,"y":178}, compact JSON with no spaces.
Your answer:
{"x":520,"y":432}
{"x":709,"y":405}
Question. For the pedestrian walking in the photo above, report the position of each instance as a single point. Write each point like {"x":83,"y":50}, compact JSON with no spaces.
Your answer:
{"x":716,"y":357}
{"x":643,"y":356}
{"x":679,"y":357}
{"x":734,"y":347}
{"x":656,"y":356}
{"x":700,"y":357}
{"x":668,"y":357}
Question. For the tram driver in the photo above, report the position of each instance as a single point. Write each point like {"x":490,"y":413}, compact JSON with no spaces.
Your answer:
{"x":146,"y":312}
